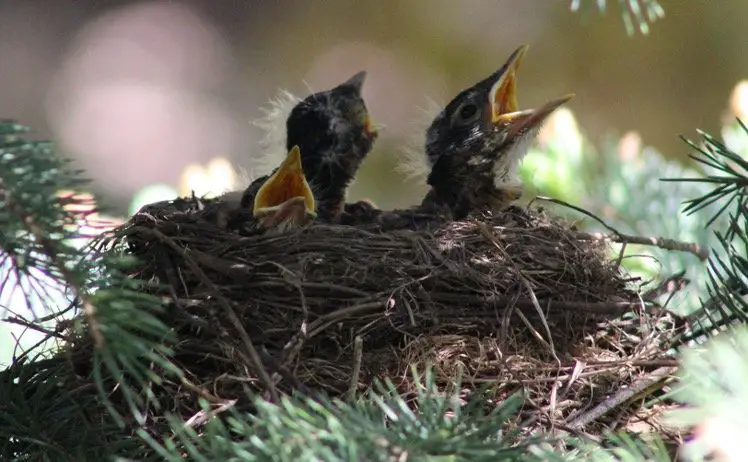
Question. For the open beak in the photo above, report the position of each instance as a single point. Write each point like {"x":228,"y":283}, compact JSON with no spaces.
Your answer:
{"x":518,"y":122}
{"x":502,"y":100}
{"x":502,"y":97}
{"x":286,"y":196}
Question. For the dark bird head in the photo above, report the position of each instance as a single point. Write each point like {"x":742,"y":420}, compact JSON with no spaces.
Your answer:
{"x":285,"y":200}
{"x":335,"y":133}
{"x":475,"y":144}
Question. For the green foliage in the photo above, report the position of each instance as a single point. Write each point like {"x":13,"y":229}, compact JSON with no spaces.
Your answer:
{"x":715,"y":389}
{"x":621,"y":184}
{"x":713,"y":379}
{"x":38,"y":422}
{"x":726,"y":211}
{"x":42,"y":420}
{"x":620,"y":448}
{"x":636,"y":14}
{"x":378,"y":427}
{"x":38,"y":244}
{"x":382,"y":426}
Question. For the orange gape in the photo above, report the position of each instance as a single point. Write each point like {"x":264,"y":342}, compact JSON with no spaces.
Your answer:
{"x":287,"y":183}
{"x":503,"y":94}
{"x":506,"y":97}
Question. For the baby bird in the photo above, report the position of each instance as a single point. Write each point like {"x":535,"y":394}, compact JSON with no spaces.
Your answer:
{"x":475,"y":144}
{"x":334,"y":131}
{"x":285,"y":201}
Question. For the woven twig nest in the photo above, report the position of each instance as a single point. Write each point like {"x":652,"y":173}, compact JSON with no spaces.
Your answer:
{"x":514,"y":300}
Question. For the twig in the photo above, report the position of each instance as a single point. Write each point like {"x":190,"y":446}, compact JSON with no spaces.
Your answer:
{"x":293,"y":347}
{"x":59,"y":314}
{"x":48,"y":247}
{"x":34,"y":326}
{"x":533,"y":299}
{"x":670,"y":285}
{"x":322,"y":322}
{"x":253,"y":355}
{"x":623,"y":395}
{"x":579,"y":433}
{"x":663,"y":243}
{"x":600,"y":368}
{"x":280,"y":371}
{"x":536,"y":304}
{"x":170,"y":276}
{"x":599,"y":308}
{"x":358,"y":352}
{"x":203,"y":416}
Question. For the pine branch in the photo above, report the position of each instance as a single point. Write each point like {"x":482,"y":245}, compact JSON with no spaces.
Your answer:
{"x":715,"y":394}
{"x":381,"y":426}
{"x":726,"y":176}
{"x":39,"y":422}
{"x":37,"y":245}
{"x":436,"y":424}
{"x":620,"y":447}
{"x":636,"y":14}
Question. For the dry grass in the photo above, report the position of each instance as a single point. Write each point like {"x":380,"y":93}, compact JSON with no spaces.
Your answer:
{"x":513,"y":301}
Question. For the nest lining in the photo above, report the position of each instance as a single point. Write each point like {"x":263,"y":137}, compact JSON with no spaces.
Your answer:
{"x":514,"y":300}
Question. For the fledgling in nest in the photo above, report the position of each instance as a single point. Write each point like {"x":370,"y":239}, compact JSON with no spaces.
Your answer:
{"x":474,"y":145}
{"x":334,"y":131}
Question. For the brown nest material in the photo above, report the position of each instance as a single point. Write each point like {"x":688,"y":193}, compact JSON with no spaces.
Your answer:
{"x":515,"y":300}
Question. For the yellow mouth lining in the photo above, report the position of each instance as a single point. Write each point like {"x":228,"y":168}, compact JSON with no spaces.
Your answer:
{"x":503,"y":95}
{"x":287,"y":183}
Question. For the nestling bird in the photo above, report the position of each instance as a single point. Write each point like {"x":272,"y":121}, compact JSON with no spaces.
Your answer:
{"x":334,"y":131}
{"x":285,"y":201}
{"x":475,"y":144}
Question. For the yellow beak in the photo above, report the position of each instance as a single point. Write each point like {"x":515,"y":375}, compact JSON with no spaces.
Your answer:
{"x":519,"y":121}
{"x":286,"y":194}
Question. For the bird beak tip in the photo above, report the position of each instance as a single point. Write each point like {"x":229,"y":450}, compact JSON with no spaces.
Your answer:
{"x":357,"y":81}
{"x":293,"y":161}
{"x":519,"y":121}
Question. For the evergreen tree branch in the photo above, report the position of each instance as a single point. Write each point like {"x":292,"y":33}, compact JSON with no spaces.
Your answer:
{"x":714,"y":392}
{"x":41,"y":227}
{"x":436,"y":424}
{"x":54,"y":250}
{"x":636,"y":14}
{"x":727,"y":273}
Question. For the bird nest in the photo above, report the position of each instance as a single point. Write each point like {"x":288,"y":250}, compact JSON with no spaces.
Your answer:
{"x":518,"y":300}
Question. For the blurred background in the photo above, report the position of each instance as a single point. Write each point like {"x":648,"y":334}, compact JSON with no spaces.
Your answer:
{"x":156,"y":98}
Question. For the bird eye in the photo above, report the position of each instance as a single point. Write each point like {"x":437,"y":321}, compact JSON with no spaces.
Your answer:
{"x":466,"y":114}
{"x":468,"y":111}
